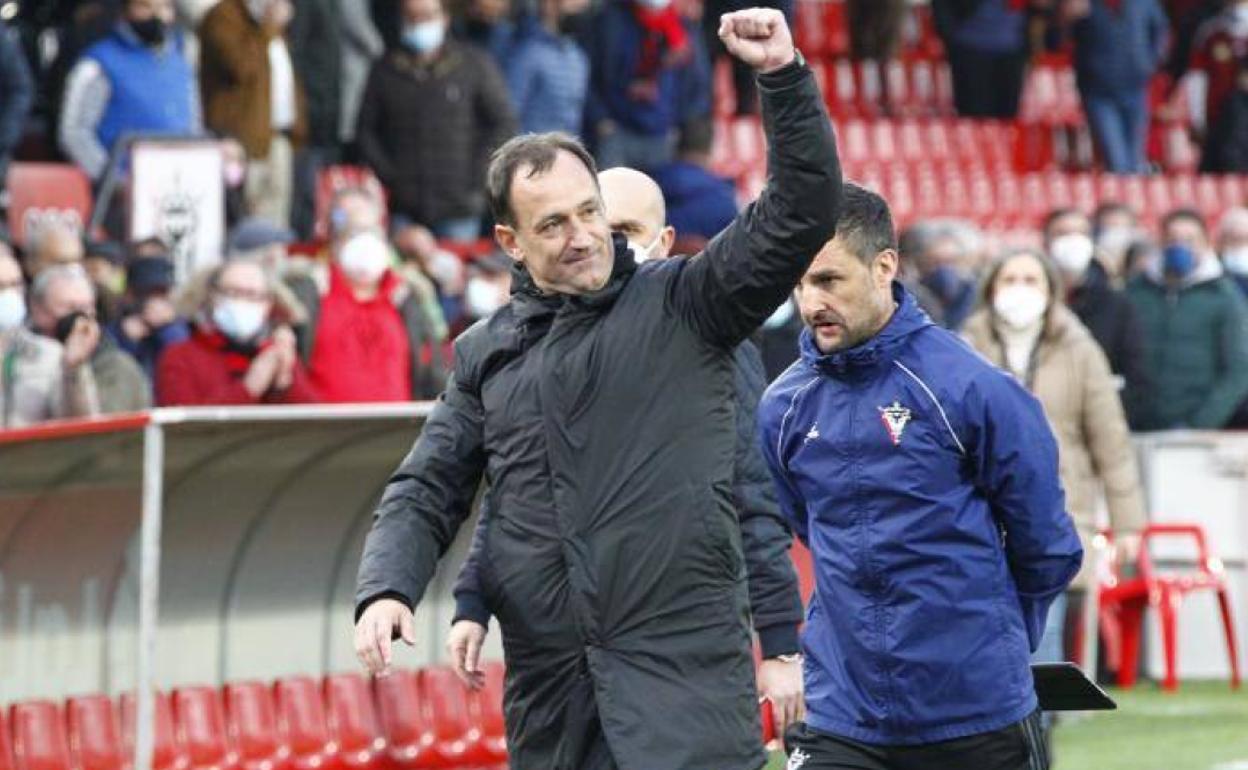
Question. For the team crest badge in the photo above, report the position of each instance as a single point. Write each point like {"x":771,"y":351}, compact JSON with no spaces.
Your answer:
{"x":895,"y":419}
{"x":796,"y":760}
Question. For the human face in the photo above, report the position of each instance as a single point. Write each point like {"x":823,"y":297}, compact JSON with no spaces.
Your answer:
{"x":64,"y":296}
{"x":1022,"y":270}
{"x":1187,"y":232}
{"x":142,"y":10}
{"x":1074,"y":222}
{"x":561,"y":234}
{"x":844,"y":302}
{"x":420,"y":11}
{"x":243,"y":281}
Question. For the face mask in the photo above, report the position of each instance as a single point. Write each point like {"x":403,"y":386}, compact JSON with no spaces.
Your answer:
{"x":946,"y":282}
{"x":782,"y":316}
{"x":1236,"y":260}
{"x":644,"y":253}
{"x":151,"y":31}
{"x":12,"y":309}
{"x":1019,"y":306}
{"x":655,"y":5}
{"x":239,"y":319}
{"x":424,"y":37}
{"x":1115,"y":240}
{"x":1072,"y":253}
{"x":1178,"y":261}
{"x":65,"y":325}
{"x":365,"y":257}
{"x":481,"y":298}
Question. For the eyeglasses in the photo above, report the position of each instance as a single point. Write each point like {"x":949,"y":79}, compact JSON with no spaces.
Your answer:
{"x":252,"y":295}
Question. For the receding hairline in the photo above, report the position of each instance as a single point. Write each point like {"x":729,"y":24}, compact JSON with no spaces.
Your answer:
{"x":628,"y":182}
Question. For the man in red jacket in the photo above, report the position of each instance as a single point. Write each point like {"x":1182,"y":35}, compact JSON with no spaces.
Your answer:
{"x":236,"y":353}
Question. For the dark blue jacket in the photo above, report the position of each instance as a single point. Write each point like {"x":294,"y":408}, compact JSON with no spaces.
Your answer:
{"x":614,"y":49}
{"x":925,"y":483}
{"x":17,"y":92}
{"x":147,"y":350}
{"x":698,"y":202}
{"x":1119,"y":50}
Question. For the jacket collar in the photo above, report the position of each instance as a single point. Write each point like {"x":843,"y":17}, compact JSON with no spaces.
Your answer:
{"x":529,"y":302}
{"x":907,"y":319}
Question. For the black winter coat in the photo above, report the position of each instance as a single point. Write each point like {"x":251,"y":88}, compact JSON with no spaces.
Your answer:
{"x":1110,"y":316}
{"x":603,"y":425}
{"x":775,"y":600}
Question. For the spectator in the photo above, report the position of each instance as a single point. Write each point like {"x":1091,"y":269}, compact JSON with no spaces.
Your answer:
{"x":1195,"y":319}
{"x":487,"y":25}
{"x":361,"y":45}
{"x":1104,"y":310}
{"x":374,"y":336}
{"x":234,"y":176}
{"x":53,"y":243}
{"x":316,"y":41}
{"x":1119,"y":44}
{"x":1233,"y":245}
{"x":17,"y":93}
{"x":986,"y":42}
{"x":1023,"y":327}
{"x":135,"y":80}
{"x":149,"y":323}
{"x":1219,"y":88}
{"x":548,"y":72}
{"x":105,"y":262}
{"x":259,"y":240}
{"x":648,"y":76}
{"x":876,"y":27}
{"x":944,"y":263}
{"x":239,"y":352}
{"x":39,"y":379}
{"x":444,"y":270}
{"x":63,"y":308}
{"x":432,"y":113}
{"x":251,"y":92}
{"x":1114,"y":227}
{"x":699,"y":202}
{"x":488,"y":287}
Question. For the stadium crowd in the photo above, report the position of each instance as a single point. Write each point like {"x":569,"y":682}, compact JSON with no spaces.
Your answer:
{"x":421,"y":93}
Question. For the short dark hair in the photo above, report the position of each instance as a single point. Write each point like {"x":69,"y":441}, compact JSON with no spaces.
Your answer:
{"x":865,"y":226}
{"x":1178,"y":215}
{"x":1107,"y":208}
{"x":1051,"y":218}
{"x":537,"y":153}
{"x":696,"y":136}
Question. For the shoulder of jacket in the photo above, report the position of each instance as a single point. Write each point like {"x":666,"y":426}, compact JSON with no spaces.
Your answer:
{"x":782,"y":394}
{"x":34,"y":348}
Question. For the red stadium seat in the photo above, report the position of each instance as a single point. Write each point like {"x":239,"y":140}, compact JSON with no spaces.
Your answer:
{"x":444,"y":699}
{"x":167,"y":753}
{"x":410,"y":737}
{"x":353,"y":723}
{"x":251,"y":720}
{"x":6,"y":745}
{"x":305,"y":728}
{"x":39,"y":736}
{"x":39,"y":192}
{"x":200,"y":719}
{"x":95,"y":734}
{"x":486,"y":707}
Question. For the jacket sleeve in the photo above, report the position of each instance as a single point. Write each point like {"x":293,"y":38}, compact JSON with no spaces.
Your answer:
{"x":775,"y":601}
{"x":1109,"y":443}
{"x":179,"y":384}
{"x":219,"y":42}
{"x":87,"y":92}
{"x":748,"y":270}
{"x":426,"y":500}
{"x":79,"y":395}
{"x":469,"y":589}
{"x":792,"y":506}
{"x":368,"y":127}
{"x":1014,"y":458}
{"x":1231,"y":385}
{"x":494,"y":112}
{"x":18,"y":89}
{"x":1132,"y":345}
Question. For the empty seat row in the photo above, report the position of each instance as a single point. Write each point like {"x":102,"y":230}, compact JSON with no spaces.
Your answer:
{"x":411,"y":720}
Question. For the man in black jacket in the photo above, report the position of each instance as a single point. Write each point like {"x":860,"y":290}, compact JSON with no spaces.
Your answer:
{"x":598,"y":405}
{"x":635,"y":209}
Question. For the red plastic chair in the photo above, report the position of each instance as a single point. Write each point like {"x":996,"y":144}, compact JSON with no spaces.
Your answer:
{"x":6,"y":746}
{"x":303,"y":724}
{"x":40,"y":192}
{"x":39,"y":741}
{"x":200,"y":719}
{"x":410,"y":737}
{"x":353,"y":723}
{"x":251,"y":720}
{"x":167,"y":754}
{"x":486,"y":708}
{"x":767,"y":716}
{"x":95,"y":734}
{"x":1128,"y":597}
{"x":444,"y":699}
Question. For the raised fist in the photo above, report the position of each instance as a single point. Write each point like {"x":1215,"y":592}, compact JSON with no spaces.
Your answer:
{"x":759,"y":37}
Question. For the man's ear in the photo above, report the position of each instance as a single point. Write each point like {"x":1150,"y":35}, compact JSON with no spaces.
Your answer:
{"x":667,"y":239}
{"x":506,"y":238}
{"x":886,"y":266}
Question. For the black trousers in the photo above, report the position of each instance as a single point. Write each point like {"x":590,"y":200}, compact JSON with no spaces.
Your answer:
{"x":1016,"y":747}
{"x":986,"y":85}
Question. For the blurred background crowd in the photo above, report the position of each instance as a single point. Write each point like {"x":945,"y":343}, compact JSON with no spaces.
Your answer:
{"x":1108,"y":137}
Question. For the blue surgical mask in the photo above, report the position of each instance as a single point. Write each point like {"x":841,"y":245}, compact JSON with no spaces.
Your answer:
{"x":424,"y":37}
{"x":1178,"y":261}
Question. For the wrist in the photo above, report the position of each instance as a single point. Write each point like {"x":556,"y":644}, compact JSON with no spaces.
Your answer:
{"x":779,"y":639}
{"x":788,"y":61}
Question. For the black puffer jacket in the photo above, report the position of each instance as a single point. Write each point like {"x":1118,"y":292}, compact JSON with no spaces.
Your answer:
{"x":604,"y":427}
{"x":1111,"y":318}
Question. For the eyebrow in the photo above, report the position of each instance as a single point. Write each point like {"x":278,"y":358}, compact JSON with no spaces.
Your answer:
{"x":626,"y":224}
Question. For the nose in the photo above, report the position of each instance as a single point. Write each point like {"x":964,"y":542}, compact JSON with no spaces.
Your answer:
{"x":582,"y":237}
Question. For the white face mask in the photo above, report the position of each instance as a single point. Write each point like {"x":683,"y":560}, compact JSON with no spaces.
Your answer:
{"x":1236,"y":260}
{"x":644,"y":253}
{"x":1020,"y":306}
{"x":482,"y":297}
{"x":365,"y":257}
{"x":12,"y":309}
{"x":1072,"y":253}
{"x":239,"y":319}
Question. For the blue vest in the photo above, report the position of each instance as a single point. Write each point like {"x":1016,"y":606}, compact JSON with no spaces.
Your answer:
{"x":151,"y":90}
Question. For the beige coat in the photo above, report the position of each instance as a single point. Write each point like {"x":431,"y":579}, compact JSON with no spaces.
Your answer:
{"x":1080,"y":397}
{"x":34,"y":386}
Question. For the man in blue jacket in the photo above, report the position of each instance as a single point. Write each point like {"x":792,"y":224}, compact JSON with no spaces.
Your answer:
{"x":924,"y":481}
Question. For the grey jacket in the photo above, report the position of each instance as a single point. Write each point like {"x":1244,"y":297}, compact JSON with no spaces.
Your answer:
{"x":34,"y":385}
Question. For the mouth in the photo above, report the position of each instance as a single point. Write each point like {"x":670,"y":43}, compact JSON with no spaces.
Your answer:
{"x":577,"y":258}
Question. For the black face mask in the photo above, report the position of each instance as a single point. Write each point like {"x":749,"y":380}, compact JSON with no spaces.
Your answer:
{"x":151,"y":31}
{"x":65,"y":325}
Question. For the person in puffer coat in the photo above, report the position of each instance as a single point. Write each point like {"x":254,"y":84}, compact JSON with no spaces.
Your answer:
{"x":598,"y":406}
{"x":925,"y":482}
